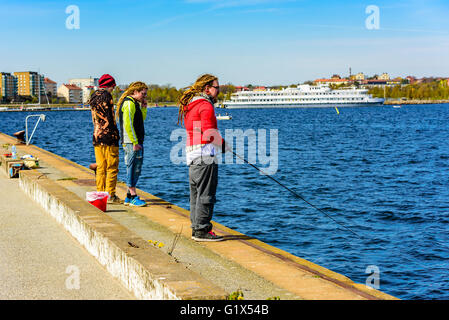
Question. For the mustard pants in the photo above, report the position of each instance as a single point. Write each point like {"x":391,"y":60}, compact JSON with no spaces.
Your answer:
{"x":107,"y":168}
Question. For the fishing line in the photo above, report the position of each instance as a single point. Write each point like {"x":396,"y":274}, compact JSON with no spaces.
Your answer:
{"x":298,"y":196}
{"x":318,"y":209}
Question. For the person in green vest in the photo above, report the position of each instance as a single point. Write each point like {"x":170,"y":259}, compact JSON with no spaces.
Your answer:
{"x":132,"y":112}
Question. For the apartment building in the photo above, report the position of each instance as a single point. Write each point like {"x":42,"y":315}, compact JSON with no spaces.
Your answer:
{"x":359,"y":76}
{"x":29,"y":83}
{"x":8,"y":87}
{"x":87,"y":85}
{"x":50,"y":87}
{"x":71,"y":93}
{"x":384,"y":76}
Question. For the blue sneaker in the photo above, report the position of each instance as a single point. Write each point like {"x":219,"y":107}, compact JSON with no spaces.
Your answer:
{"x":127,"y":201}
{"x":137,"y":202}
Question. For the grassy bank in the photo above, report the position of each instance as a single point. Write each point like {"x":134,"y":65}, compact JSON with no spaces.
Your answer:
{"x":415,"y":101}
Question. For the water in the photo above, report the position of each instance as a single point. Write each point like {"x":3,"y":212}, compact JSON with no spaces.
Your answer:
{"x":381,"y":172}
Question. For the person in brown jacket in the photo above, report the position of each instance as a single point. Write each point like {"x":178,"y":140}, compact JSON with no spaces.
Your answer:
{"x":105,"y":137}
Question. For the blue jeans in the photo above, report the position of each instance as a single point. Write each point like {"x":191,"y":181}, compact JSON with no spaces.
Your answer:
{"x":133,"y":161}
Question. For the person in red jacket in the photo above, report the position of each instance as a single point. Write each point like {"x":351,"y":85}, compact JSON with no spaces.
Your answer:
{"x":203,"y":143}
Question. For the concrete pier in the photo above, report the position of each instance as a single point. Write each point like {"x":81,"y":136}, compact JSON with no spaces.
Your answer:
{"x":40,"y":260}
{"x":150,"y":252}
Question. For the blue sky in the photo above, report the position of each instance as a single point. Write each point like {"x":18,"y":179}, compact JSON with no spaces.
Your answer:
{"x":264,"y":42}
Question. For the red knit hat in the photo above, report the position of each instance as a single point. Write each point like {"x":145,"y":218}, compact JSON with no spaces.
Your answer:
{"x":106,"y":81}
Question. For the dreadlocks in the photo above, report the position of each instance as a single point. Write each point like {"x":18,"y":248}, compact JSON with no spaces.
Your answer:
{"x":192,"y":91}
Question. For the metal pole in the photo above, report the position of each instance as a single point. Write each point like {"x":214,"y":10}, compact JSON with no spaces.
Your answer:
{"x":41,"y":117}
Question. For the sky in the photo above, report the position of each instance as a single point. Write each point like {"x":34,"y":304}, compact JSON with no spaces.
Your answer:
{"x":259,"y":42}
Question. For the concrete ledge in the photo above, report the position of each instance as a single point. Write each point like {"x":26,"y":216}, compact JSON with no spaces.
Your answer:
{"x":286,"y":259}
{"x":143,"y":269}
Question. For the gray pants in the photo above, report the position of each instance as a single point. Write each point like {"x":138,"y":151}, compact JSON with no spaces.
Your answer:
{"x":203,"y":180}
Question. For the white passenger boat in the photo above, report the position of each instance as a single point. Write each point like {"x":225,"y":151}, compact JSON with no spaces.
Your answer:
{"x":303,"y":96}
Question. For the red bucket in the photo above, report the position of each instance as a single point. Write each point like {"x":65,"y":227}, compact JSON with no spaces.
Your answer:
{"x":98,"y":199}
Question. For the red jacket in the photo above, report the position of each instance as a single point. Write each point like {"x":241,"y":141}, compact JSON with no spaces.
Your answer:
{"x":201,"y":114}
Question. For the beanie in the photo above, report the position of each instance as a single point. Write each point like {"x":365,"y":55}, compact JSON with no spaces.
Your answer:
{"x":106,"y":81}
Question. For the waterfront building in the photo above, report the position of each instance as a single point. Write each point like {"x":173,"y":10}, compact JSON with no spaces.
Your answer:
{"x":359,"y":76}
{"x":87,"y":85}
{"x":50,"y":87}
{"x":333,"y":80}
{"x":384,"y":76}
{"x":380,"y":83}
{"x":8,"y":86}
{"x":241,"y":88}
{"x":411,"y":79}
{"x":29,"y":83}
{"x":374,"y":83}
{"x":71,"y":93}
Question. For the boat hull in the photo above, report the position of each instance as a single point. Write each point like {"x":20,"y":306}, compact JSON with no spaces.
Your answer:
{"x":296,"y":105}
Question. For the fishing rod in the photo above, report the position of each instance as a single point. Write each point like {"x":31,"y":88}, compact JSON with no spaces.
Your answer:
{"x":312,"y":205}
{"x":318,"y":209}
{"x":297,"y":195}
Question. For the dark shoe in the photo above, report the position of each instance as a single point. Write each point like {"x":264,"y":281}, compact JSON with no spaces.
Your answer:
{"x":206,"y":236}
{"x":194,"y":232}
{"x":114,"y":199}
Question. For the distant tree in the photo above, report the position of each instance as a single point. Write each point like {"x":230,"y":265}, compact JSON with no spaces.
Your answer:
{"x":116,"y":93}
{"x":166,"y":93}
{"x":227,"y":88}
{"x":396,"y":92}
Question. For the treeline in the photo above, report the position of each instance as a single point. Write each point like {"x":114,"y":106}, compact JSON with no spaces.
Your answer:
{"x":167,"y":94}
{"x":429,"y":90}
{"x":435,"y":90}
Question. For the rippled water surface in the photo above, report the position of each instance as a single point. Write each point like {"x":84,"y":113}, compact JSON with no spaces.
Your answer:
{"x":380,"y":172}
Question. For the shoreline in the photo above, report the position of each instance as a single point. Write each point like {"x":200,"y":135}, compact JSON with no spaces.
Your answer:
{"x":62,"y":107}
{"x":400,"y":102}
